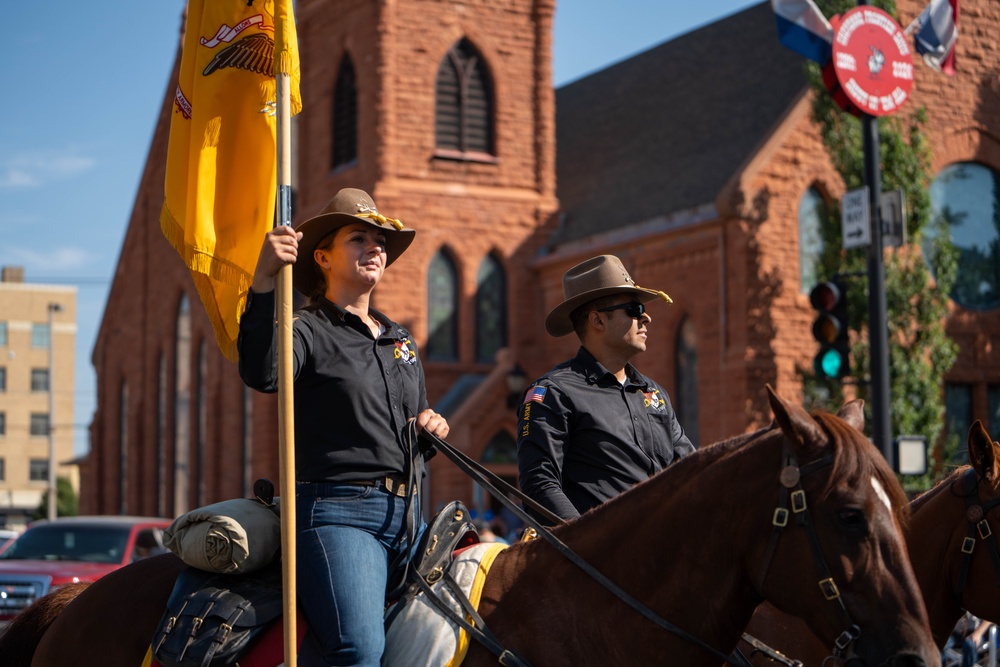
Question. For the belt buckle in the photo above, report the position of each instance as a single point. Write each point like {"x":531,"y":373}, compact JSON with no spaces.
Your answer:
{"x":394,"y":487}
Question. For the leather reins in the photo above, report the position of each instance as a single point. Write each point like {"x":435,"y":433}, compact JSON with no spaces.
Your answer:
{"x":492,"y":484}
{"x":975,"y":514}
{"x":791,"y":490}
{"x":792,"y":502}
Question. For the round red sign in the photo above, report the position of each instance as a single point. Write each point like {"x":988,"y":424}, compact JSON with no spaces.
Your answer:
{"x":872,"y":60}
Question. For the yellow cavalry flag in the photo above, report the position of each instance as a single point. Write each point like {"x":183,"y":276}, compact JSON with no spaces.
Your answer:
{"x":221,"y":172}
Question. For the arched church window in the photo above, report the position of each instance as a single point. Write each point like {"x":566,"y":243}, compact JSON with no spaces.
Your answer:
{"x":812,"y":210}
{"x":501,"y":450}
{"x":686,"y":379}
{"x":491,"y":310}
{"x":442,"y":309}
{"x":463,"y":118}
{"x":965,"y":199}
{"x":182,"y":406}
{"x":344,"y":149}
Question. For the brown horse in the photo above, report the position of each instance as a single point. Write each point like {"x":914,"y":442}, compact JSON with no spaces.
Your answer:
{"x":941,"y":521}
{"x":693,"y":544}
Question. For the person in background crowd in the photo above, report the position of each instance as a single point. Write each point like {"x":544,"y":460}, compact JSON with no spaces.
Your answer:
{"x":489,"y":531}
{"x":966,"y":639}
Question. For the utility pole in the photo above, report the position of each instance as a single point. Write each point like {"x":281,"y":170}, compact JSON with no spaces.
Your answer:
{"x":878,"y":335}
{"x":53,"y":308}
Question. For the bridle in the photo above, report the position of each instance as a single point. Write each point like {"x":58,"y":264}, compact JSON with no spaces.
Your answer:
{"x":975,"y":514}
{"x":792,"y":501}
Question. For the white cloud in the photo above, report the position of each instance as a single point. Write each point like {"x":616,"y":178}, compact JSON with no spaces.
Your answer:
{"x":51,"y":261}
{"x":16,"y":178}
{"x":32,"y":170}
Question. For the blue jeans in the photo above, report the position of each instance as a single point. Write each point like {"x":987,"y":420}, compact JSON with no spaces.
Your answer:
{"x":969,"y":651}
{"x":348,"y":537}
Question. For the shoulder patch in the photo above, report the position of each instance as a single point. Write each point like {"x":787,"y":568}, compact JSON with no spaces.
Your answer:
{"x":535,"y":395}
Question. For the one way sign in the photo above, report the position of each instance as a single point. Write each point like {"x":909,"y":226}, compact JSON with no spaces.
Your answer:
{"x":854,"y":223}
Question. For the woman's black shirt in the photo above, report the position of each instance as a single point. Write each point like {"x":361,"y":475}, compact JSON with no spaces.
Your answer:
{"x":353,"y":393}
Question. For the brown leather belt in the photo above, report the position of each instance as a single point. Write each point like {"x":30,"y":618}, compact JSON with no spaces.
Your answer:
{"x":391,"y":483}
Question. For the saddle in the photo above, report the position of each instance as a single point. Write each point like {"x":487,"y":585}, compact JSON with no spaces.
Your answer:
{"x":450,"y":529}
{"x":213,"y":619}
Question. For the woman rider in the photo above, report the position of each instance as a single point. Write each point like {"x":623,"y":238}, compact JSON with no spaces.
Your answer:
{"x":358,"y":385}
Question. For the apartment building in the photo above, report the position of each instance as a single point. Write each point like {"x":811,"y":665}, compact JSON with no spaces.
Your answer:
{"x":37,"y":348}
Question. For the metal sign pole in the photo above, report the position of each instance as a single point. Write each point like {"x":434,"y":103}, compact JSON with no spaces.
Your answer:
{"x":878,"y":335}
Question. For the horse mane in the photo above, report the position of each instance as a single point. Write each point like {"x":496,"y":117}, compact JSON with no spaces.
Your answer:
{"x":853,"y":461}
{"x":20,"y":638}
{"x":939,"y":487}
{"x":688,"y":466}
{"x":709,"y":453}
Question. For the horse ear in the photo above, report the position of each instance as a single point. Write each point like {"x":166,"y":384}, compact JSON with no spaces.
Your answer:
{"x":799,"y":428}
{"x":853,"y":412}
{"x":984,"y":454}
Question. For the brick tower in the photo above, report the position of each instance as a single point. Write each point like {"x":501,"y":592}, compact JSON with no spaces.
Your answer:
{"x":444,"y":112}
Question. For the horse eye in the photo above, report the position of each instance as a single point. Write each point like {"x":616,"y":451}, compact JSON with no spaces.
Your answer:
{"x":851,"y":518}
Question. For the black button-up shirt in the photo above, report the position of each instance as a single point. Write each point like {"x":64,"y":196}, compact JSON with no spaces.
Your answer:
{"x":353,"y":393}
{"x":584,"y":437}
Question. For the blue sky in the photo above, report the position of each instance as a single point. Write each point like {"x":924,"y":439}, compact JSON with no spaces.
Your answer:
{"x":84,"y":84}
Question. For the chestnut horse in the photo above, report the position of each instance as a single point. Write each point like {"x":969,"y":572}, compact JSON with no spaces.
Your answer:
{"x":951,"y":579}
{"x":694,"y":544}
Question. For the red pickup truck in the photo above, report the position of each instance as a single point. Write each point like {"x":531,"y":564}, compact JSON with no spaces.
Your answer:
{"x":71,"y":549}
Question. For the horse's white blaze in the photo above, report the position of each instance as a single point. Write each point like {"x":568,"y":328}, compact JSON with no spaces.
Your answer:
{"x":880,"y":492}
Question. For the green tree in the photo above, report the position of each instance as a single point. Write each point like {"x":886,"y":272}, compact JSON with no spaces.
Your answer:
{"x":916,"y":301}
{"x":67,"y":503}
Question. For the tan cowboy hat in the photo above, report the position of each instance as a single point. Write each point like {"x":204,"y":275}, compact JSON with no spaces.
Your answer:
{"x":600,"y":276}
{"x":347,"y":206}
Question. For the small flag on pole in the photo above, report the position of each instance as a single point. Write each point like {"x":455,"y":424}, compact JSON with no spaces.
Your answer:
{"x":936,"y":34}
{"x":219,"y":191}
{"x":803,"y":29}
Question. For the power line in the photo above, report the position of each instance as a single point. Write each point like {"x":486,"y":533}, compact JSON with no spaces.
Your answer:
{"x":79,"y":281}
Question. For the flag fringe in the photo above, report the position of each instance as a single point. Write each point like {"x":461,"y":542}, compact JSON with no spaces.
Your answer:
{"x":207,"y":295}
{"x":199,"y":261}
{"x":204,"y":268}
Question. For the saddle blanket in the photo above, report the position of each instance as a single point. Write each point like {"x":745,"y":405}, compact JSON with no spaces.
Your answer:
{"x":421,"y":636}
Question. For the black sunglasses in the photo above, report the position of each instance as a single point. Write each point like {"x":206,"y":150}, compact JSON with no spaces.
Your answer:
{"x":632,"y":308}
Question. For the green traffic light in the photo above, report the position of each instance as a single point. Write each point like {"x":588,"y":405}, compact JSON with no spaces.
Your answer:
{"x":829,"y":363}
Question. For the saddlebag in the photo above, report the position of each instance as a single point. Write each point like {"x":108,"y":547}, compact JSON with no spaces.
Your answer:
{"x":212,"y":619}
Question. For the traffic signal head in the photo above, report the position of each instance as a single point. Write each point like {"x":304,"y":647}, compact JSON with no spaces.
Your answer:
{"x":830,"y":329}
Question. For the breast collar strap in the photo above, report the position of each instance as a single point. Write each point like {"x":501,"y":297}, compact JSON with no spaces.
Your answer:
{"x":792,"y":501}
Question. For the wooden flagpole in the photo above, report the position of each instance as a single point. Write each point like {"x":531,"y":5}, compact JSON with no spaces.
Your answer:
{"x":286,"y":418}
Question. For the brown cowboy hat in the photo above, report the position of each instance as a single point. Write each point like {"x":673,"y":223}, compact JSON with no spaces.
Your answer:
{"x":347,"y":206}
{"x":600,"y":276}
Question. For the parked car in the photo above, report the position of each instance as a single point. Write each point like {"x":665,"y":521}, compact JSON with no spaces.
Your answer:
{"x":6,"y":537}
{"x":71,"y":549}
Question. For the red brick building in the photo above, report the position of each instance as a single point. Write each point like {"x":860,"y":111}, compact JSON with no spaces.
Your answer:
{"x":695,"y":162}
